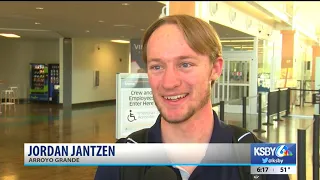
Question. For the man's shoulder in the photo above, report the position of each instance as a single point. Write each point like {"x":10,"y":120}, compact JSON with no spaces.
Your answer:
{"x":238,"y":134}
{"x":112,"y":172}
{"x":140,"y":136}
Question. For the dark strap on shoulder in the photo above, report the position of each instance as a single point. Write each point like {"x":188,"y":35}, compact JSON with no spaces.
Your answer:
{"x":241,"y":135}
{"x":134,"y":172}
{"x":140,"y":136}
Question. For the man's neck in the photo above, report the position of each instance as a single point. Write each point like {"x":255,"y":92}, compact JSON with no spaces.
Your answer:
{"x":197,"y":129}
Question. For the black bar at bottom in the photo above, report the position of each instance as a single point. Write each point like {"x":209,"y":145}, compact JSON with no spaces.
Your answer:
{"x":244,"y":112}
{"x":302,"y":175}
{"x":222,"y":110}
{"x":267,"y":123}
{"x":278,"y":106}
{"x":319,"y":104}
{"x":259,"y":115}
{"x":315,"y":160}
{"x":308,"y":90}
{"x":288,"y":101}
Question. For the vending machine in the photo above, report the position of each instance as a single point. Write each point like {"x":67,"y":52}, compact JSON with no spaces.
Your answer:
{"x":39,"y":82}
{"x":44,"y":82}
{"x":54,"y":85}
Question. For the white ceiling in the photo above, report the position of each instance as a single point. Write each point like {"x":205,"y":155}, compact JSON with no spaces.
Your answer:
{"x":305,"y":13}
{"x":308,"y":13}
{"x":73,"y":19}
{"x":227,"y":32}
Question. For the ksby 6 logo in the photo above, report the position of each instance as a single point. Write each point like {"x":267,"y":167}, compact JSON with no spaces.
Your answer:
{"x":280,"y":151}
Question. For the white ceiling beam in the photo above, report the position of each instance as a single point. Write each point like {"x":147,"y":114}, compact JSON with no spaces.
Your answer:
{"x":163,"y":2}
{"x":266,"y":8}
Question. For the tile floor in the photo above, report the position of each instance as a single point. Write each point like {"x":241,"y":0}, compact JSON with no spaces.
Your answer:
{"x":47,"y":123}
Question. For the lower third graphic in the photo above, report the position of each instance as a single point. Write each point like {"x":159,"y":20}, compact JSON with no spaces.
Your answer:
{"x":265,"y":160}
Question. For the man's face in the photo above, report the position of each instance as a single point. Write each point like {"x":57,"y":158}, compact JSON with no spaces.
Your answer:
{"x":179,"y":77}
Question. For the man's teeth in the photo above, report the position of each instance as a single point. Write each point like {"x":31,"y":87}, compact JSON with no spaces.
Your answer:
{"x":175,"y":97}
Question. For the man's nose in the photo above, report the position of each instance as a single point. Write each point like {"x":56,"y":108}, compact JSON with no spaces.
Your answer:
{"x":171,"y":79}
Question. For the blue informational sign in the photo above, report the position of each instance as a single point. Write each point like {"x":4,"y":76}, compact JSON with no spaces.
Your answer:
{"x":273,"y":154}
{"x":316,"y":98}
{"x":137,"y":63}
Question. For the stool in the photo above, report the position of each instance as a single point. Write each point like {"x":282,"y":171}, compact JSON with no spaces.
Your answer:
{"x":8,"y":96}
{"x":15,"y":93}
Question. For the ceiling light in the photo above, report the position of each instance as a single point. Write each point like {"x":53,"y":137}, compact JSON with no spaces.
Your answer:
{"x":121,"y":41}
{"x":100,"y":21}
{"x":142,"y":29}
{"x":87,"y":31}
{"x":37,"y":23}
{"x":123,"y":25}
{"x":9,"y":35}
{"x":125,"y":4}
{"x":39,"y":8}
{"x":243,"y":47}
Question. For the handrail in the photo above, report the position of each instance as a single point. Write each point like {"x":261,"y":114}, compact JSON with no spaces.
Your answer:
{"x":312,"y":90}
{"x":251,"y":97}
{"x":301,"y":165}
{"x":283,"y":89}
{"x":235,"y":100}
{"x":216,"y":104}
{"x":315,"y":151}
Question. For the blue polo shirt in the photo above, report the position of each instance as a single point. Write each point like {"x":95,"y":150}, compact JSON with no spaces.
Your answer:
{"x":221,"y":134}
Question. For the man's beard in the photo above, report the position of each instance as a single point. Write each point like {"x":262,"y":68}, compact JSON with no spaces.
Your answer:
{"x":190,"y":112}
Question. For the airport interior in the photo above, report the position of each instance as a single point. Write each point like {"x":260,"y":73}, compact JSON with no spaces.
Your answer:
{"x":61,"y":64}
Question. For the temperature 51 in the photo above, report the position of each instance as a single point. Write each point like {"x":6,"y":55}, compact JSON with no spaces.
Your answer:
{"x":284,"y":169}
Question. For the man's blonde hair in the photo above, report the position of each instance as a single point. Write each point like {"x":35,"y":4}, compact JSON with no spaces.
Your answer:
{"x":200,"y":35}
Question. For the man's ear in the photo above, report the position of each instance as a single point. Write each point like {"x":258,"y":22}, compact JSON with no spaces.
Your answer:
{"x":217,"y":69}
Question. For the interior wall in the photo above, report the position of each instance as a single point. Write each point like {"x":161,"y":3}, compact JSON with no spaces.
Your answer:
{"x":308,"y":61}
{"x":17,"y":54}
{"x":277,"y":58}
{"x":101,"y":55}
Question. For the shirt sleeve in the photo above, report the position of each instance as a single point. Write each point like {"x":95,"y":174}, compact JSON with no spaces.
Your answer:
{"x":107,"y":173}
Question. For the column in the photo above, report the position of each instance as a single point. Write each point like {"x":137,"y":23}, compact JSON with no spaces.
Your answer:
{"x":315,"y":54}
{"x":287,"y":57}
{"x":66,"y":57}
{"x":186,"y":7}
{"x":67,"y":73}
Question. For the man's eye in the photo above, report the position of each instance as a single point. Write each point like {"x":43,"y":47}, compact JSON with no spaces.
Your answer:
{"x":156,"y":67}
{"x":185,"y":65}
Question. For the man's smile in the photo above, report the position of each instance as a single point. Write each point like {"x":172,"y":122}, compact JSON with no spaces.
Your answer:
{"x":175,"y":97}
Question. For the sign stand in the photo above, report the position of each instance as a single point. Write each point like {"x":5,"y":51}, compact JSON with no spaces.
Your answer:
{"x":135,"y":108}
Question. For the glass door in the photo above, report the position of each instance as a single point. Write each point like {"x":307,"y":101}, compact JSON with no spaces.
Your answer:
{"x":234,"y":84}
{"x":238,"y":80}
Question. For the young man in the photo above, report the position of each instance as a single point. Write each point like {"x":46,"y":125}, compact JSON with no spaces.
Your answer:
{"x":184,"y":58}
